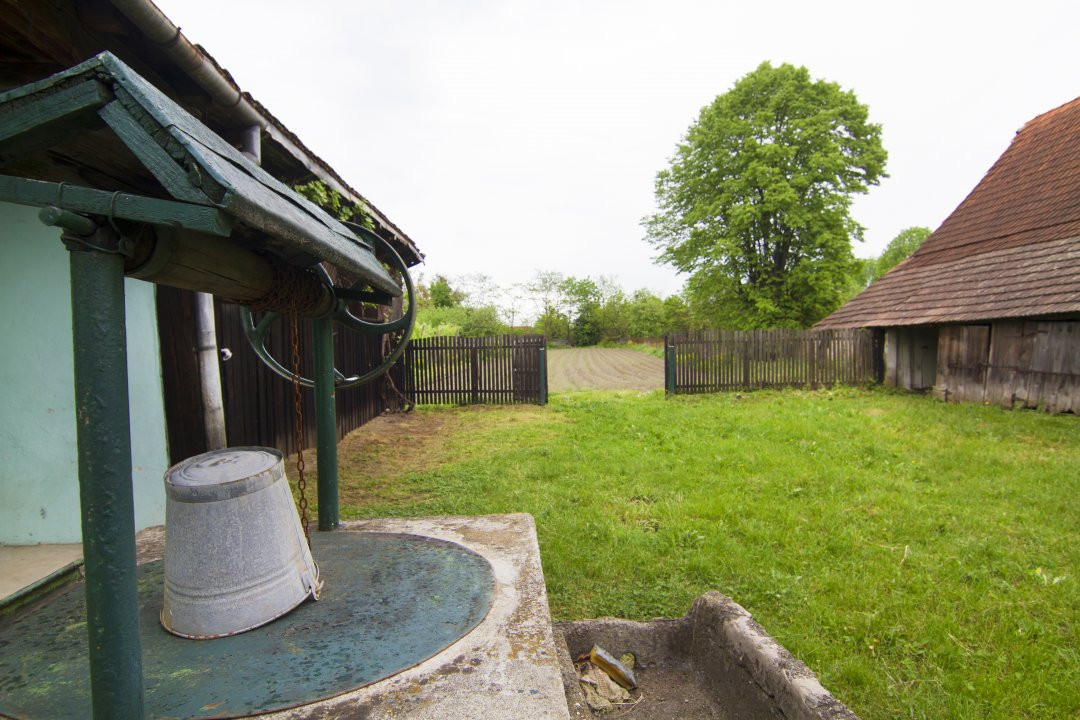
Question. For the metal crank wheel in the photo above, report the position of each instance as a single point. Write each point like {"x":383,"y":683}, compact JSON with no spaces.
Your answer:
{"x":256,"y":331}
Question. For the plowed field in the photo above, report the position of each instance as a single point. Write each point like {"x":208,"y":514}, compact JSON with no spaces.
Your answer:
{"x":603,"y":369}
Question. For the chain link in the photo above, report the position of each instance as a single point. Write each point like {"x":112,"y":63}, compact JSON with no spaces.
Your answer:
{"x":298,"y":420}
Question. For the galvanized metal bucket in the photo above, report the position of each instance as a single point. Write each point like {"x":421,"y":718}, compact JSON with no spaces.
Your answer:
{"x":235,"y":553}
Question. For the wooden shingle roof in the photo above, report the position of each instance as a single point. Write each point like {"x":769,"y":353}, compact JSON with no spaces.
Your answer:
{"x":1011,"y":248}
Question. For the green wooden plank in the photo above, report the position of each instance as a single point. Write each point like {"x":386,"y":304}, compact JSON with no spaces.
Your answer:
{"x":168,"y":172}
{"x":93,"y":66}
{"x":124,"y":206}
{"x":38,"y":121}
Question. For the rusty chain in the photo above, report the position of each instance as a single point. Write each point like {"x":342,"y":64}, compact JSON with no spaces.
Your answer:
{"x":298,"y":421}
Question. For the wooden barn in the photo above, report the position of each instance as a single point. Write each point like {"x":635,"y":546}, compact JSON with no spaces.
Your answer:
{"x":988,"y":309}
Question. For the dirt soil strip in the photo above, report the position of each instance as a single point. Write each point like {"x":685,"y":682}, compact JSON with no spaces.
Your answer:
{"x":603,"y":369}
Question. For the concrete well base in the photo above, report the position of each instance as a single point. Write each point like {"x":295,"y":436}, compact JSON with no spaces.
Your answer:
{"x":506,"y":667}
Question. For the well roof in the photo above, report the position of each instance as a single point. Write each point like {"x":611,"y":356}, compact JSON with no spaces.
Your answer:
{"x":39,"y":39}
{"x":187,"y":160}
{"x":1010,"y":249}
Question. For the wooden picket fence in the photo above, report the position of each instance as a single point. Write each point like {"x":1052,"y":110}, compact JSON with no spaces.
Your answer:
{"x":504,"y":369}
{"x":704,"y":361}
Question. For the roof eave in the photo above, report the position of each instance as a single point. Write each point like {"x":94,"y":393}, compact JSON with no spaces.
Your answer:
{"x":201,"y":67}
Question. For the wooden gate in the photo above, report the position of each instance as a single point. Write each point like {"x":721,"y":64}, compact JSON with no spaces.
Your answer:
{"x":466,"y":371}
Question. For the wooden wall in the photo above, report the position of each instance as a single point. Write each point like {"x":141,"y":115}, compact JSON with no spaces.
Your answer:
{"x":1013,"y":363}
{"x":911,"y":357}
{"x":258,"y":404}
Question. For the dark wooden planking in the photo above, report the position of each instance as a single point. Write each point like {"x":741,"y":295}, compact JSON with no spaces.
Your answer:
{"x":29,"y":124}
{"x":184,"y":424}
{"x":259,"y":406}
{"x":1032,"y":364}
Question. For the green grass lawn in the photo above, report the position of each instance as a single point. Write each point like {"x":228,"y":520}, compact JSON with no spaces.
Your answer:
{"x":922,"y":558}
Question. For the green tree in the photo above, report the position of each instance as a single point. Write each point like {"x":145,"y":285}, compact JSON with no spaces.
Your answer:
{"x":553,"y":324}
{"x":583,"y":299}
{"x":648,"y":315}
{"x":586,"y":328}
{"x":677,"y":314}
{"x":482,"y":322}
{"x":441,"y":295}
{"x":755,"y":205}
{"x":613,"y":317}
{"x":899,"y":248}
{"x":459,"y":320}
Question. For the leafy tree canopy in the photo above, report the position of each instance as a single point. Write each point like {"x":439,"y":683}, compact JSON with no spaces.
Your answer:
{"x":441,"y":295}
{"x":899,"y":248}
{"x":755,"y":205}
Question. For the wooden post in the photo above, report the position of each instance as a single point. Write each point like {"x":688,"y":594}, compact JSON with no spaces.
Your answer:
{"x":474,"y":364}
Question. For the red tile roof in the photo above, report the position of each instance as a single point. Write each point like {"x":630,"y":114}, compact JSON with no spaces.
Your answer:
{"x":1011,"y":249}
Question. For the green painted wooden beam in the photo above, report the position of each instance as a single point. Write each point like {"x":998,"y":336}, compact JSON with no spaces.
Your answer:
{"x":124,"y":206}
{"x":164,"y":167}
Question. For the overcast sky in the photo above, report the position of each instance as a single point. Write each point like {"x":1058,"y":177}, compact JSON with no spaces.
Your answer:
{"x":507,"y":137}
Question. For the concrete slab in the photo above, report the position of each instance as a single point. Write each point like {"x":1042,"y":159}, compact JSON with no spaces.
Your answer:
{"x":24,"y":565}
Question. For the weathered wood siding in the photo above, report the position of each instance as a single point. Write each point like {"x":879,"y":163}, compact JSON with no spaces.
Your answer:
{"x":1016,"y":363}
{"x":258,"y":404}
{"x":911,"y":357}
{"x":714,"y":360}
{"x":468,"y":371}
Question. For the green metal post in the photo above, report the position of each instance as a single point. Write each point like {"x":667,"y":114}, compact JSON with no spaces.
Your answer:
{"x":326,"y":422}
{"x":669,"y":367}
{"x":543,"y":374}
{"x":103,"y":432}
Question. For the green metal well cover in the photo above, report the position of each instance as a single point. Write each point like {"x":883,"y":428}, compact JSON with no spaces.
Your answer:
{"x":64,"y":130}
{"x":390,"y":601}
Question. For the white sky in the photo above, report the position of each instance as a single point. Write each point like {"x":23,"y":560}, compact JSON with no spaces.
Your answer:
{"x":512,"y":136}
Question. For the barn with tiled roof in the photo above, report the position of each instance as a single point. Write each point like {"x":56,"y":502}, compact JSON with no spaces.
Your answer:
{"x":988,"y":309}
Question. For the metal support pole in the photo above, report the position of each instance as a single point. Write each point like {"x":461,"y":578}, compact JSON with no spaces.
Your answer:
{"x":326,"y":421}
{"x":103,"y":431}
{"x":206,"y":352}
